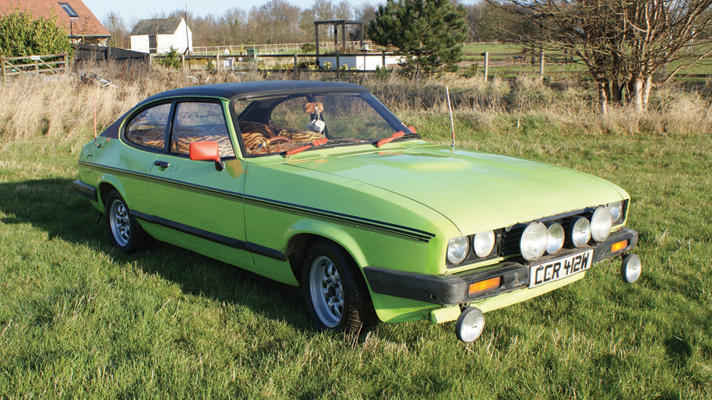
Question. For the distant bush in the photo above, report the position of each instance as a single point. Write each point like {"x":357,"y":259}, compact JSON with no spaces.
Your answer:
{"x":308,"y":48}
{"x":22,"y":35}
{"x":171,"y":59}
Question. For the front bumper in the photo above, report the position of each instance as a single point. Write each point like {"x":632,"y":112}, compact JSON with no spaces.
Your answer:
{"x":453,"y":289}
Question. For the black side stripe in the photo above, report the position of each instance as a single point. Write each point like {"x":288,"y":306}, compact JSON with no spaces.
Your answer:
{"x":358,"y":222}
{"x":347,"y":219}
{"x":213,"y":237}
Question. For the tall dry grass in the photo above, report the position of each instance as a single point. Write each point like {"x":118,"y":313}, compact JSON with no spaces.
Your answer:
{"x":62,"y":107}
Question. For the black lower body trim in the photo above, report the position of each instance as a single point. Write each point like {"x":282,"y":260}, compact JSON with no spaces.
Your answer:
{"x":453,"y":289}
{"x":213,"y":237}
{"x":85,"y":190}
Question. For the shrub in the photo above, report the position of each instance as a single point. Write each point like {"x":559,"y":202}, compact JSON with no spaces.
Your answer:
{"x":22,"y":35}
{"x":172,"y":60}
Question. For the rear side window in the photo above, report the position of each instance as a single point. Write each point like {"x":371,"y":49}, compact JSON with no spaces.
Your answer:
{"x":200,"y":122}
{"x":148,"y":128}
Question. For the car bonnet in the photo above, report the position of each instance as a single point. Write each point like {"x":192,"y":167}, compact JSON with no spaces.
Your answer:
{"x":476,"y":191}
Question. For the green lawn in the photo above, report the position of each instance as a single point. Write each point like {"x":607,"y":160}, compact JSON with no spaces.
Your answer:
{"x":80,"y":320}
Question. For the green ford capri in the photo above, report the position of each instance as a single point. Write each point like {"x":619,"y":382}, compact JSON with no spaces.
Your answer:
{"x":318,"y":185}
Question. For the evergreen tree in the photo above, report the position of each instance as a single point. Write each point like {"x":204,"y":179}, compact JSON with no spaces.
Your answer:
{"x":430,"y":32}
{"x":22,"y":35}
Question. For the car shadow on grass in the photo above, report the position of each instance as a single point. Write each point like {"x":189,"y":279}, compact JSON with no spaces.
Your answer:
{"x":53,"y":206}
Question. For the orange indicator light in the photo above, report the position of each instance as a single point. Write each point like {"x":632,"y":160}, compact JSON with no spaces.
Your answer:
{"x":481,"y":286}
{"x":619,"y":246}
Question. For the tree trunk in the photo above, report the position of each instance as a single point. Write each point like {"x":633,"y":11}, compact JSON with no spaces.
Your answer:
{"x":617,"y":93}
{"x":602,"y":98}
{"x":646,"y":92}
{"x":638,"y":95}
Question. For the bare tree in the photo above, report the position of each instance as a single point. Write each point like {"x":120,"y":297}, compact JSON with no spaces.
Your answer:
{"x":117,"y":28}
{"x":278,"y":21}
{"x":343,"y":10}
{"x":621,"y":42}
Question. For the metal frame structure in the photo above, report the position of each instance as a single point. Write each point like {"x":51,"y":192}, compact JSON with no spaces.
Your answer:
{"x":336,"y":24}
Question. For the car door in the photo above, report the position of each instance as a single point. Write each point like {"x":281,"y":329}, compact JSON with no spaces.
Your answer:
{"x":200,"y":207}
{"x":145,"y":136}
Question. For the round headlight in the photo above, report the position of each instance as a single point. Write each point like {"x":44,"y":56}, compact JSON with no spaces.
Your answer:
{"x":601,"y":224}
{"x":616,"y":211}
{"x":533,"y":243}
{"x":484,"y":243}
{"x":555,"y":238}
{"x":457,"y":249}
{"x":581,"y":232}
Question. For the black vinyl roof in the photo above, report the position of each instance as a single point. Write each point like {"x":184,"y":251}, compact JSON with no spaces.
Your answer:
{"x":257,"y":89}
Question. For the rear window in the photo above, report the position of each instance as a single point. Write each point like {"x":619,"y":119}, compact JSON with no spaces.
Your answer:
{"x":148,"y":128}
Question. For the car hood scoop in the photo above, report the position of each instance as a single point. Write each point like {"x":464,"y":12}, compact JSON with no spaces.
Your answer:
{"x":474,"y":190}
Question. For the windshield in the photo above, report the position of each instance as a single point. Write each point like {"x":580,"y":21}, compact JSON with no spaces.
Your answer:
{"x":275,"y":124}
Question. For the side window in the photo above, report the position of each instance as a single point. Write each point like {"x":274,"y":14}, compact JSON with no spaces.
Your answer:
{"x":148,"y":128}
{"x":200,"y":122}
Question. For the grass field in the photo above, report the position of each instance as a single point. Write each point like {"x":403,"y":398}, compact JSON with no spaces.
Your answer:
{"x":80,"y":320}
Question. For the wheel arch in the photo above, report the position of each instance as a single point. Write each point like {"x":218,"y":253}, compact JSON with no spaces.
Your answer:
{"x":306,"y":233}
{"x":106,"y":185}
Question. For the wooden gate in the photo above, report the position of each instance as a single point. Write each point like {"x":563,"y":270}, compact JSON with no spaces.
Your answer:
{"x":33,"y":65}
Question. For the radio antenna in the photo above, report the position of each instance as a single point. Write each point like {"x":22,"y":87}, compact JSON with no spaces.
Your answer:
{"x":452,"y":123}
{"x":95,"y":143}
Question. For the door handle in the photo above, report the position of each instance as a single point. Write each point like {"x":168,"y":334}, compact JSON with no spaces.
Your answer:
{"x":161,"y":164}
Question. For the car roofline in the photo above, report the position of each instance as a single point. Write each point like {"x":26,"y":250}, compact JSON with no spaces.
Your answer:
{"x":253,"y":89}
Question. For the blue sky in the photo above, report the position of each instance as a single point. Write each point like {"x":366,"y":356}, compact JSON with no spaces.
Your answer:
{"x":133,"y":10}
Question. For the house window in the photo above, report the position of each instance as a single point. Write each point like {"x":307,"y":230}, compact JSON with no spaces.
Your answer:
{"x":69,"y":10}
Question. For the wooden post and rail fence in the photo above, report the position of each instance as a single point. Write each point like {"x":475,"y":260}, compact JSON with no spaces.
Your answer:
{"x":12,"y":67}
{"x":505,"y":63}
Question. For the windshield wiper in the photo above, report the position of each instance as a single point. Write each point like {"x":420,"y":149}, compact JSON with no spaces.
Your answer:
{"x":318,"y":142}
{"x":393,"y":137}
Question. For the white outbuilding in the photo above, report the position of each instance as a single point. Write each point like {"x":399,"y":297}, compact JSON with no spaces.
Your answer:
{"x":157,"y":36}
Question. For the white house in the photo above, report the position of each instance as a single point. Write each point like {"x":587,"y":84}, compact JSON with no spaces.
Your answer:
{"x":157,"y":36}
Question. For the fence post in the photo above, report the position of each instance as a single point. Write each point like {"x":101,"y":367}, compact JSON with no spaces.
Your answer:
{"x":541,"y":65}
{"x":37,"y":66}
{"x":338,"y":70}
{"x":2,"y":65}
{"x":217,"y":62}
{"x":486,"y":64}
{"x":383,"y":59}
{"x":182,"y":62}
{"x":296,"y":75}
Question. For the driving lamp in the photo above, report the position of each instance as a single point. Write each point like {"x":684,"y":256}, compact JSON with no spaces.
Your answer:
{"x":555,"y":238}
{"x":601,"y":223}
{"x":470,"y":324}
{"x":580,"y":232}
{"x":533,"y":242}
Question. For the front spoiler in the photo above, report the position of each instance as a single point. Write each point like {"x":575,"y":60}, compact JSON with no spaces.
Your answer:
{"x":453,"y":289}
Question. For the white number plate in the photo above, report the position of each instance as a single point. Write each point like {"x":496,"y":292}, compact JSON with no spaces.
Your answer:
{"x":559,"y":268}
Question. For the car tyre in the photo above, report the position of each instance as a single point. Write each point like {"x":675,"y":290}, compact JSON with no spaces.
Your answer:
{"x":124,"y":231}
{"x":335,"y":293}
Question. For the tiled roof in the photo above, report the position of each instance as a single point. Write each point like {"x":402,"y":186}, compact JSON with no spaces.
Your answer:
{"x":86,"y":24}
{"x":156,"y":26}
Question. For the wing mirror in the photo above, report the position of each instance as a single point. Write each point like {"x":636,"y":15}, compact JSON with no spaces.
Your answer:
{"x":204,"y":151}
